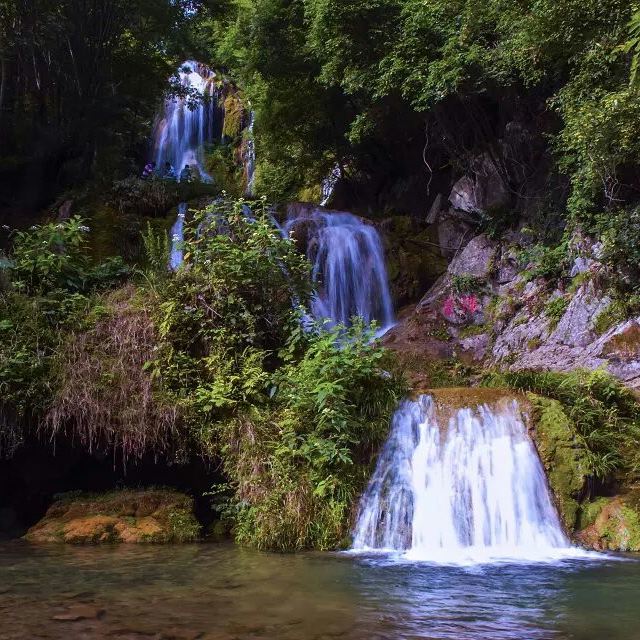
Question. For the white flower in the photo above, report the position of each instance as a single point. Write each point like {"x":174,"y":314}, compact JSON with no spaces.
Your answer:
{"x":84,"y":228}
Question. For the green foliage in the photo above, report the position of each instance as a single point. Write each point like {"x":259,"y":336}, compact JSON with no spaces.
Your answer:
{"x":620,"y":232}
{"x":555,"y":309}
{"x":310,"y":456}
{"x":545,"y":262}
{"x":466,"y":283}
{"x":50,"y":290}
{"x":615,"y":313}
{"x":632,"y":46}
{"x":294,"y":415}
{"x":606,"y":414}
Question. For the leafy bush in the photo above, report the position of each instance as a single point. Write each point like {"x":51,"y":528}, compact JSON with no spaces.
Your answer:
{"x":300,"y":466}
{"x":295,"y":415}
{"x":49,"y":292}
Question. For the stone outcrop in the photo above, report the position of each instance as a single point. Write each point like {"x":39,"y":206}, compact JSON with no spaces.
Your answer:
{"x":611,"y":524}
{"x":487,"y":310}
{"x":119,"y":516}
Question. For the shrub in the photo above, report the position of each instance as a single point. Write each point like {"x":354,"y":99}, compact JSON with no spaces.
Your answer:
{"x":143,"y":197}
{"x":294,"y":414}
{"x":299,"y":468}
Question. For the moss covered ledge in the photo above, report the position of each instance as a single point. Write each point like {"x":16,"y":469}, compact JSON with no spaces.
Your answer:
{"x":127,"y":516}
{"x":563,"y":455}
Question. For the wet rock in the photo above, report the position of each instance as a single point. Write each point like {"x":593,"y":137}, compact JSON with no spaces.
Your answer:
{"x":473,"y":349}
{"x":611,"y":524}
{"x":452,"y":235}
{"x":575,"y":328}
{"x":119,"y":516}
{"x":435,"y":210}
{"x":78,"y":612}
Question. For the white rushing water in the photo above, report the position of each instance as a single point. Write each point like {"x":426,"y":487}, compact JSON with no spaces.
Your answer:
{"x":349,"y":269}
{"x":176,"y":255}
{"x":472,"y":490}
{"x":329,"y":185}
{"x":187,"y":123}
{"x":249,"y":157}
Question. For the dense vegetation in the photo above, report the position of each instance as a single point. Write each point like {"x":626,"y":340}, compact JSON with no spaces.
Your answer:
{"x":210,"y":361}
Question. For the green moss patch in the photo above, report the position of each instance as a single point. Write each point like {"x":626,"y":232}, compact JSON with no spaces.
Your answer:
{"x":562,"y":454}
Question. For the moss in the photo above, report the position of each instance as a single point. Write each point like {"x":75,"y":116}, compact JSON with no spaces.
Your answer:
{"x":555,"y":309}
{"x":589,"y":512}
{"x":578,"y":281}
{"x":151,"y":516}
{"x":562,"y":454}
{"x":612,"y":315}
{"x":472,"y":330}
{"x":311,"y":193}
{"x":534,"y":343}
{"x":233,"y":116}
{"x":611,"y":523}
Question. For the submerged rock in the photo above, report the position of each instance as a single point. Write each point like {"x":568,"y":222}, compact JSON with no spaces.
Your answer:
{"x":119,"y":516}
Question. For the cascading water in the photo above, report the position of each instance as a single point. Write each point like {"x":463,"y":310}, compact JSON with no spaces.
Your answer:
{"x":249,"y":157}
{"x":177,"y":238}
{"x":472,"y":490}
{"x":348,"y":267}
{"x":329,"y":185}
{"x":187,"y":123}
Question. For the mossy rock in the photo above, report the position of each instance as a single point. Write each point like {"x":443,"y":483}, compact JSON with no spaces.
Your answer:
{"x":414,"y":261}
{"x":611,"y":524}
{"x":562,"y":454}
{"x":155,"y":515}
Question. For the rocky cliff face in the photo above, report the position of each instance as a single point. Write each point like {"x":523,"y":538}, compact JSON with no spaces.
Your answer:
{"x":488,"y":309}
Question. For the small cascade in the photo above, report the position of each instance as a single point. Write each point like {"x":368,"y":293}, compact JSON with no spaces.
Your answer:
{"x":249,"y":157}
{"x":176,"y":255}
{"x":329,"y":185}
{"x":469,"y":488}
{"x":349,"y":269}
{"x":187,"y":123}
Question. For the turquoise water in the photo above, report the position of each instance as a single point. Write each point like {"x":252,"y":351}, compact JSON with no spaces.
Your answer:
{"x":223,"y":593}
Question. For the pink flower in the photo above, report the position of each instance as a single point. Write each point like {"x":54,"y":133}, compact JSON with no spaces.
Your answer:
{"x":469,"y":303}
{"x":448,"y":307}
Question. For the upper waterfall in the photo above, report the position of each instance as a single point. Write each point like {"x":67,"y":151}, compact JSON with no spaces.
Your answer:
{"x":467,"y":489}
{"x":349,"y":269}
{"x":187,"y":122}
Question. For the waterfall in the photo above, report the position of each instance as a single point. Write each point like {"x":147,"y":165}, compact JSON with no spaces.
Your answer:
{"x":177,"y":238}
{"x":349,"y":270}
{"x":329,"y":185}
{"x":249,"y":157}
{"x":187,"y":122}
{"x":470,"y":490}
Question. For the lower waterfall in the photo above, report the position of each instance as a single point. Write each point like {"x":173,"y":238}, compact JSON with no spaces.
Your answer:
{"x":470,"y":490}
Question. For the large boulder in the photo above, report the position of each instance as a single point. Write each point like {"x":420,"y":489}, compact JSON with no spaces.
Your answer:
{"x":119,"y":516}
{"x":482,"y":191}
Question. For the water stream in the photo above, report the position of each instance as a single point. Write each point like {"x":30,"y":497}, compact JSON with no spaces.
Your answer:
{"x":349,"y":269}
{"x":186,"y":123}
{"x":463,"y":488}
{"x":208,"y":591}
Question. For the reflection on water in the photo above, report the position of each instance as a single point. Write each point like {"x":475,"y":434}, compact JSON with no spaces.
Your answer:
{"x":222,"y":593}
